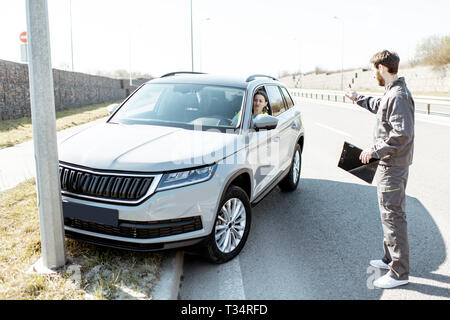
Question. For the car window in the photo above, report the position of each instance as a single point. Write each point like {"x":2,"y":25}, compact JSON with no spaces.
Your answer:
{"x":181,"y":105}
{"x":275,"y":100}
{"x":287,"y":97}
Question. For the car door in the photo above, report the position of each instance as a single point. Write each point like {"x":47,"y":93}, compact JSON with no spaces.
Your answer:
{"x":282,"y":140}
{"x":293,"y":114}
{"x":262,"y":156}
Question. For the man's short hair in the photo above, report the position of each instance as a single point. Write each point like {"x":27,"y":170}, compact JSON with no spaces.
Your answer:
{"x":388,"y":59}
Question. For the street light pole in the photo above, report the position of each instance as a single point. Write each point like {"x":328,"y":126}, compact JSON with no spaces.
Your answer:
{"x":299,"y":61}
{"x":129,"y":56}
{"x":71,"y":36}
{"x":192,"y":41}
{"x":44,"y":137}
{"x":342,"y":53}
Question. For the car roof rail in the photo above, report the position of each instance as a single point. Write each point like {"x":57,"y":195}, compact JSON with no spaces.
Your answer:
{"x":180,"y":72}
{"x":254,"y":76}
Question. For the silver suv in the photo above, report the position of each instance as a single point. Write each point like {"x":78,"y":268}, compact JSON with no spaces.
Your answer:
{"x":181,"y":162}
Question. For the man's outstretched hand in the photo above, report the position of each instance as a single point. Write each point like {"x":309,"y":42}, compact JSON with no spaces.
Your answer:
{"x":352,"y":95}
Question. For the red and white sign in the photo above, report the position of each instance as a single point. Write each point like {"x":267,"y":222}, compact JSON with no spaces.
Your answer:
{"x":23,"y":37}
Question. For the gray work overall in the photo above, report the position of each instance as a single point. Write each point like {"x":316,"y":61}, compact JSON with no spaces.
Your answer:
{"x":394,"y":146}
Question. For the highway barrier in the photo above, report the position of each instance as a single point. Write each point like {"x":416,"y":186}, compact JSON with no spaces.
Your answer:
{"x":433,"y":105}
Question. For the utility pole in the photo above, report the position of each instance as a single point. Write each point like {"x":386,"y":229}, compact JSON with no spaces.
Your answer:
{"x":192,"y":41}
{"x":71,"y":36}
{"x":129,"y":56}
{"x":44,"y":136}
{"x":342,"y":53}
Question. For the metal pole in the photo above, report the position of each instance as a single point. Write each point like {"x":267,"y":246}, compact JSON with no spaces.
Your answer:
{"x":300,"y":61}
{"x":192,"y":41}
{"x":71,"y":36}
{"x":342,"y":53}
{"x":44,"y":134}
{"x":342,"y":61}
{"x":129,"y":54}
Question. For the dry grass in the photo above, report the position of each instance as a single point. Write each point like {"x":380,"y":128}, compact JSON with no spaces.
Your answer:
{"x":434,"y":51}
{"x":91,"y":272}
{"x":20,"y":130}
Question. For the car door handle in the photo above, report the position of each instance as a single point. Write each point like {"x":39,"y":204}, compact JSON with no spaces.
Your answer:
{"x":276,"y":139}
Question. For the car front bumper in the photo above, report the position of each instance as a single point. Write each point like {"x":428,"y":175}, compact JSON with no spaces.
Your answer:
{"x":168,"y":219}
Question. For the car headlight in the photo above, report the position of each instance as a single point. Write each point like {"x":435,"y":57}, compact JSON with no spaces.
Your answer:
{"x":185,"y":178}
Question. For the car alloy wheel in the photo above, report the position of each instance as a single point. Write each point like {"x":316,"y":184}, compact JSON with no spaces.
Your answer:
{"x":230,"y":225}
{"x":296,"y":167}
{"x":291,"y":181}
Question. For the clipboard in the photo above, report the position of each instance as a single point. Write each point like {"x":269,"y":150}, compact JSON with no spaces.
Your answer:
{"x":349,"y":161}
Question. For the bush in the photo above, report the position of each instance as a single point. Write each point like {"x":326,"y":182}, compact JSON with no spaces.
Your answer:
{"x":434,"y":50}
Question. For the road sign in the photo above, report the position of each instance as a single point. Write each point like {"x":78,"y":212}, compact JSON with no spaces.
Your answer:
{"x":23,"y":37}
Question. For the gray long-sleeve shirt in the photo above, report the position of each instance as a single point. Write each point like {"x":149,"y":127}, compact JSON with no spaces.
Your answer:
{"x":394,"y":131}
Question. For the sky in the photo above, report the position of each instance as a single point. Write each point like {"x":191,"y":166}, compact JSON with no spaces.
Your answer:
{"x":232,"y":37}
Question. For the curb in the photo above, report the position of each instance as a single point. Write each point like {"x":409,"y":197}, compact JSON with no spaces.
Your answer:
{"x":168,"y":286}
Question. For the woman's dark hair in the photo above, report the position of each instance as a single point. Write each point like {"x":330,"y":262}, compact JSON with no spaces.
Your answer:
{"x":260,"y":92}
{"x":388,"y":59}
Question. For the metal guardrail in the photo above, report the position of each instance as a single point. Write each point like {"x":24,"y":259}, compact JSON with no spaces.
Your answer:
{"x":424,"y":104}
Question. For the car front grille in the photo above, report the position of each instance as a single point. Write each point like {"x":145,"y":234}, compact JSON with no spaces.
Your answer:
{"x":110,"y":187}
{"x":140,"y":230}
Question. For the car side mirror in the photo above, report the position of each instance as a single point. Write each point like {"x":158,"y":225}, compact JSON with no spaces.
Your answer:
{"x":112,"y":107}
{"x":264,"y":122}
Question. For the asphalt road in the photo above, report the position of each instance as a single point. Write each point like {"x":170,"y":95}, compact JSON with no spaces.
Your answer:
{"x":316,"y":242}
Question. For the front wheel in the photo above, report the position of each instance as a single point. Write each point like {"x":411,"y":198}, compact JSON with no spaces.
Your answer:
{"x":231,"y":227}
{"x":290,"y":182}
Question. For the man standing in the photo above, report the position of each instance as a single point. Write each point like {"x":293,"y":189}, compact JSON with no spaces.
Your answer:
{"x":393,"y":145}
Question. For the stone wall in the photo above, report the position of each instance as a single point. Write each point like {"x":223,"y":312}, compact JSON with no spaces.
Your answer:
{"x":421,"y":79}
{"x":72,"y":89}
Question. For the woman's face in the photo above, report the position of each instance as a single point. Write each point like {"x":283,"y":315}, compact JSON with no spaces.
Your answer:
{"x":259,"y":102}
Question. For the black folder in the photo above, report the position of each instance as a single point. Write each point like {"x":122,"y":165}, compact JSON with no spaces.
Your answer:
{"x":350,"y":162}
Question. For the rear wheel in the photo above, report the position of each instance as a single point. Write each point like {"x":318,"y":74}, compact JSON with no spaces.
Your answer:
{"x":231,"y":227}
{"x":290,"y":182}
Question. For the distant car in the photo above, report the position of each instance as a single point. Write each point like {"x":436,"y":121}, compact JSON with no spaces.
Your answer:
{"x":181,"y":162}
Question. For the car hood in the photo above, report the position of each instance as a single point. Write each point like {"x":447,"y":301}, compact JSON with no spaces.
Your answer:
{"x":145,"y":148}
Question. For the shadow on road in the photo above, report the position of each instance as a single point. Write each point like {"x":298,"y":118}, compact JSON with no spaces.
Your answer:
{"x":316,"y":243}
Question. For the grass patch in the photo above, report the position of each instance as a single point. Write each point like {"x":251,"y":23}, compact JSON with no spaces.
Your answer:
{"x":91,"y":272}
{"x":20,"y":130}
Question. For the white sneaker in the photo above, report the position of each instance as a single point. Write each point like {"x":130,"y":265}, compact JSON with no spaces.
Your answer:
{"x":386,"y":282}
{"x":379,"y":264}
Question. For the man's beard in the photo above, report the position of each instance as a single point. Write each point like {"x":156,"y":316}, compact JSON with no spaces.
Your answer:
{"x":380,"y":79}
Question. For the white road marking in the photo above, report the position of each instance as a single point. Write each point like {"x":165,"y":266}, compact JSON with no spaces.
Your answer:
{"x":441,"y":122}
{"x":230,"y":279}
{"x":332,"y":129}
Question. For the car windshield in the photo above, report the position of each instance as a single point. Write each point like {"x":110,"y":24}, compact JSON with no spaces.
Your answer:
{"x":183,"y":105}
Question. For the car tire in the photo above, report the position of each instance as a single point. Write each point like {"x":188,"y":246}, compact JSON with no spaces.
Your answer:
{"x":228,"y":236}
{"x":290,"y":182}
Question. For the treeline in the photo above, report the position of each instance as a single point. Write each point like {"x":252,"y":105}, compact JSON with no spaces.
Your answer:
{"x":123,"y":74}
{"x":434,"y":51}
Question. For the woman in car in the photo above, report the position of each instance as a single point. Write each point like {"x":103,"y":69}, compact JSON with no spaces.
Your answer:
{"x":260,"y":103}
